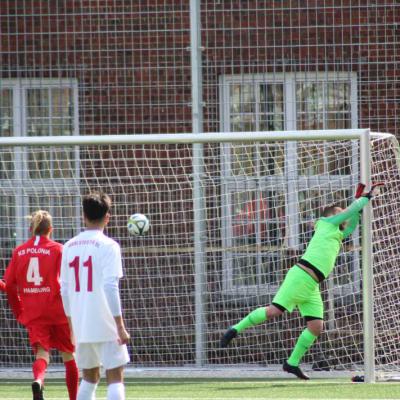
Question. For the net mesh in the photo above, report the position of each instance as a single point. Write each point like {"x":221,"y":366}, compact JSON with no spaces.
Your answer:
{"x":99,"y":67}
{"x":260,"y":202}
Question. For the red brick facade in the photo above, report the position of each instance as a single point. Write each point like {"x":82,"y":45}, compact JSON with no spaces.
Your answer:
{"x":132,"y":61}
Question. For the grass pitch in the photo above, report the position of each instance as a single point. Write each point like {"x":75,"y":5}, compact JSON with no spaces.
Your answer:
{"x":219,"y":389}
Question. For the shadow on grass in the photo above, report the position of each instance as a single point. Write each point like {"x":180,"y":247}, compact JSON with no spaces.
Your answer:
{"x":303,"y":386}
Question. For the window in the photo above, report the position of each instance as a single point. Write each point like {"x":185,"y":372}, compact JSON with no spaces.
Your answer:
{"x":49,"y":111}
{"x":261,"y":216}
{"x":42,"y":107}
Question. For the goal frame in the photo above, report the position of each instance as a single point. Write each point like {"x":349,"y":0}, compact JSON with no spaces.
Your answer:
{"x":363,"y":135}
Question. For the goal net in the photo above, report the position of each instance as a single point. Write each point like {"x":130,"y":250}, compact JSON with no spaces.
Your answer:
{"x":225,"y":228}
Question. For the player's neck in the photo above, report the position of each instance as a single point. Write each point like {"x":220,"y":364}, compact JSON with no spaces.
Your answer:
{"x":46,"y":236}
{"x":94,"y":227}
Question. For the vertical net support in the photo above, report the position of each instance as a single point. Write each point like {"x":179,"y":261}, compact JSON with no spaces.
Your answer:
{"x":367,"y":264}
{"x":198,"y":190}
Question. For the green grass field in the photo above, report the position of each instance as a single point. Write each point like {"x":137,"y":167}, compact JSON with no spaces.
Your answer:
{"x":221,"y":389}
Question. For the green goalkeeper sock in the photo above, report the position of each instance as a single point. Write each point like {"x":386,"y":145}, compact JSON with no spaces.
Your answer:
{"x":256,"y":317}
{"x":304,"y":342}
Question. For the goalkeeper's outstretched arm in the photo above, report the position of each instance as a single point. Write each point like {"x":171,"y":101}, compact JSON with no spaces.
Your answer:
{"x":353,"y":222}
{"x":350,"y":213}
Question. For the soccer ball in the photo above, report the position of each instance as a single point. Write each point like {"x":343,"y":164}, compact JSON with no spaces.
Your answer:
{"x":138,"y":224}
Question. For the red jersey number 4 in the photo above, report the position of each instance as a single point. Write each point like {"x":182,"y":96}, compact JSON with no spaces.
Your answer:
{"x":75,"y":264}
{"x":33,"y":272}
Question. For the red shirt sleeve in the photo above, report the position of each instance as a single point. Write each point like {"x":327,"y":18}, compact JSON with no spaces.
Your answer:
{"x":11,"y":288}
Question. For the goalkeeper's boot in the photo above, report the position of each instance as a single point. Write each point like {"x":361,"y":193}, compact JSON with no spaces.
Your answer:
{"x":37,"y":390}
{"x":295,"y":371}
{"x":230,"y":334}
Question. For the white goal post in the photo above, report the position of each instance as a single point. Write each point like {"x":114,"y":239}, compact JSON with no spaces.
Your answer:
{"x":259,"y":193}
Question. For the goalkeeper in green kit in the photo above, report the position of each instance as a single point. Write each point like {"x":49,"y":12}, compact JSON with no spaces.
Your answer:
{"x":300,"y":287}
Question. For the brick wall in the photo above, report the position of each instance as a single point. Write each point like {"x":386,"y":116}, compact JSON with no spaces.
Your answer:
{"x":133,"y":64}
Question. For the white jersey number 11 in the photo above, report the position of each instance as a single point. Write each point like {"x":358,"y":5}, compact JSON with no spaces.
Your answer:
{"x":75,"y":264}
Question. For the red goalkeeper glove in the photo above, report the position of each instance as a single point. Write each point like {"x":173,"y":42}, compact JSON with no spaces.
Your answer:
{"x":374,"y":191}
{"x":359,"y":190}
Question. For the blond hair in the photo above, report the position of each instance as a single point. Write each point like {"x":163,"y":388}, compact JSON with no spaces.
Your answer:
{"x":41,"y":222}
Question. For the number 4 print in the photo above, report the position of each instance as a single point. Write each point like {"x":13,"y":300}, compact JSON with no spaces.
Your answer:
{"x":88,"y":264}
{"x":33,"y":272}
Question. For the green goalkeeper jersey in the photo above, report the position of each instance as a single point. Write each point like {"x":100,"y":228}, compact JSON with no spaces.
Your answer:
{"x":324,"y":246}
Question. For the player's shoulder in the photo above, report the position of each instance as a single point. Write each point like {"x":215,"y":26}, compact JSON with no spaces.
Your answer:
{"x":20,"y":247}
{"x":324,"y":223}
{"x":28,"y":243}
{"x":108,"y":246}
{"x":323,"y":220}
{"x":54,"y":244}
{"x":70,"y":242}
{"x":109,"y":242}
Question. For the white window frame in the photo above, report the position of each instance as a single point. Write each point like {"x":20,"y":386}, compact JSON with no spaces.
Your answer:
{"x":289,"y":81}
{"x":19,"y":88}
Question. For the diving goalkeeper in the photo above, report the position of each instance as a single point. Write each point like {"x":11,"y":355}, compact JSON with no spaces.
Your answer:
{"x":300,"y":287}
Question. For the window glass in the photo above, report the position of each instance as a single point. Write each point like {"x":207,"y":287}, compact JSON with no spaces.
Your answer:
{"x":339,"y":159}
{"x":317,"y":158}
{"x":37,"y":112}
{"x":253,"y":270}
{"x":338,"y":105}
{"x":258,"y":218}
{"x":243,"y":159}
{"x":346,"y":271}
{"x":272,"y":269}
{"x":7,"y":227}
{"x":50,"y":111}
{"x":43,"y":110}
{"x":310,"y":105}
{"x":6,"y":112}
{"x":242,"y":107}
{"x":259,"y":204}
{"x":311,"y":158}
{"x":242,"y":98}
{"x":62,"y":111}
{"x":244,"y":270}
{"x":323,"y":105}
{"x":273,"y":225}
{"x":6,"y":129}
{"x":243,"y":123}
{"x":244,"y":217}
{"x":271,"y":159}
{"x":271,"y":107}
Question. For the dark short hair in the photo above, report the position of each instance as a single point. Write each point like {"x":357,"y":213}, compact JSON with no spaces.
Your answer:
{"x":329,"y":210}
{"x":96,"y":205}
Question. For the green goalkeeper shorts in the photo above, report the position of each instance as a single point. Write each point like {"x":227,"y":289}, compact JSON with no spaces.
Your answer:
{"x":300,"y":290}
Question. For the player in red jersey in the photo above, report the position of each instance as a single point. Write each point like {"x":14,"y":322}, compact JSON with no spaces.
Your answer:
{"x":32,"y":284}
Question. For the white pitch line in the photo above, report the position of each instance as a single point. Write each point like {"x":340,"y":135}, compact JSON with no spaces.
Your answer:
{"x":214,"y":398}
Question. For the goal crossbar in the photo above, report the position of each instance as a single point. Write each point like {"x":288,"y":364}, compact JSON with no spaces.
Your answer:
{"x":184,"y":138}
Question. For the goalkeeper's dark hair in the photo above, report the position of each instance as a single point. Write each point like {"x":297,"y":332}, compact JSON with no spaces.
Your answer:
{"x":96,"y":205}
{"x":330,"y":210}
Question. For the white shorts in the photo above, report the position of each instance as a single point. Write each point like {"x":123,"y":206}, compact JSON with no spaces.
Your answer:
{"x":109,"y":354}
